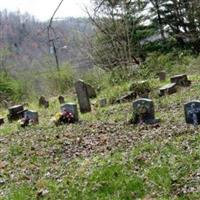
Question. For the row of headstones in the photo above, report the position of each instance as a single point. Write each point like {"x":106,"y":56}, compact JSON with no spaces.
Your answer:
{"x":178,"y":80}
{"x":143,"y":112}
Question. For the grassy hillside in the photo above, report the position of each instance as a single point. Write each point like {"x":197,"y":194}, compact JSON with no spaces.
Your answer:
{"x":102,"y":156}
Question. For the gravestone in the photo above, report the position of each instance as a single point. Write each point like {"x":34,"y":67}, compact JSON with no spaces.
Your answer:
{"x":83,"y":97}
{"x":102,"y":102}
{"x":71,"y":108}
{"x":143,"y":111}
{"x":15,"y":112}
{"x":43,"y":102}
{"x":162,"y":75}
{"x":1,"y":121}
{"x":181,"y":80}
{"x":168,"y":89}
{"x":32,"y":116}
{"x":192,"y":112}
{"x":61,"y":99}
{"x":91,"y":91}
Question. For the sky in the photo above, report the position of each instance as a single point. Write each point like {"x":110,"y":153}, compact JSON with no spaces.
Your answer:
{"x":43,"y":9}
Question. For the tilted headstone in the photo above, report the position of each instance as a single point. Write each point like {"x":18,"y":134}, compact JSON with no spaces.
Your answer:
{"x":1,"y":121}
{"x":83,"y":97}
{"x":168,"y":89}
{"x":61,"y":99}
{"x":102,"y":102}
{"x":162,"y":75}
{"x":192,"y":112}
{"x":91,"y":91}
{"x":126,"y":98}
{"x":72,"y":108}
{"x":143,"y":111}
{"x":181,"y":80}
{"x":32,"y":116}
{"x":15,"y":112}
{"x":43,"y":102}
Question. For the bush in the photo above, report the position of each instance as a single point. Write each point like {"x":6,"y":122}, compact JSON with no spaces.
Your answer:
{"x":11,"y":87}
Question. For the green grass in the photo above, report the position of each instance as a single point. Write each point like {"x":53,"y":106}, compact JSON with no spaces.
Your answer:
{"x":103,"y":157}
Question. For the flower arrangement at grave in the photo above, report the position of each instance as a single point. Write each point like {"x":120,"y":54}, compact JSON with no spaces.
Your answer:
{"x":26,"y":121}
{"x":63,"y":117}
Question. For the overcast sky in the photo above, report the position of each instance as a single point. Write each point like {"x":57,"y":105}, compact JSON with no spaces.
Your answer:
{"x":43,"y":9}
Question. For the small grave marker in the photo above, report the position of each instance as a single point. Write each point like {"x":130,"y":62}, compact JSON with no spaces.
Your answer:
{"x":181,"y":80}
{"x":143,"y":111}
{"x":43,"y":102}
{"x":102,"y":102}
{"x":83,"y":97}
{"x":168,"y":89}
{"x":15,"y":112}
{"x":162,"y":75}
{"x":32,"y":116}
{"x":61,"y":99}
{"x":192,"y":112}
{"x":1,"y":121}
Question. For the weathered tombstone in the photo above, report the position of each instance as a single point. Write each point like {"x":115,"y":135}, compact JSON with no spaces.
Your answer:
{"x":72,"y":108}
{"x":143,"y":111}
{"x":43,"y":102}
{"x":181,"y":80}
{"x":83,"y":98}
{"x":15,"y":112}
{"x":32,"y":116}
{"x":168,"y":89}
{"x":162,"y":75}
{"x":102,"y":102}
{"x":192,"y":112}
{"x":91,"y":91}
{"x":1,"y":121}
{"x":61,"y":99}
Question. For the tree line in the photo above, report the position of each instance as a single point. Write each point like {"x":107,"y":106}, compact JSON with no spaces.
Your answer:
{"x":127,"y":30}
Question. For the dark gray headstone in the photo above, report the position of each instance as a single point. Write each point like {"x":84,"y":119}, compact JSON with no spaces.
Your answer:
{"x":32,"y":116}
{"x":181,"y":80}
{"x":61,"y":99}
{"x":162,"y":75}
{"x":83,"y":97}
{"x":143,"y":111}
{"x":72,"y":108}
{"x":15,"y":112}
{"x":43,"y":102}
{"x":102,"y":102}
{"x":192,"y":112}
{"x":1,"y":121}
{"x":168,"y":89}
